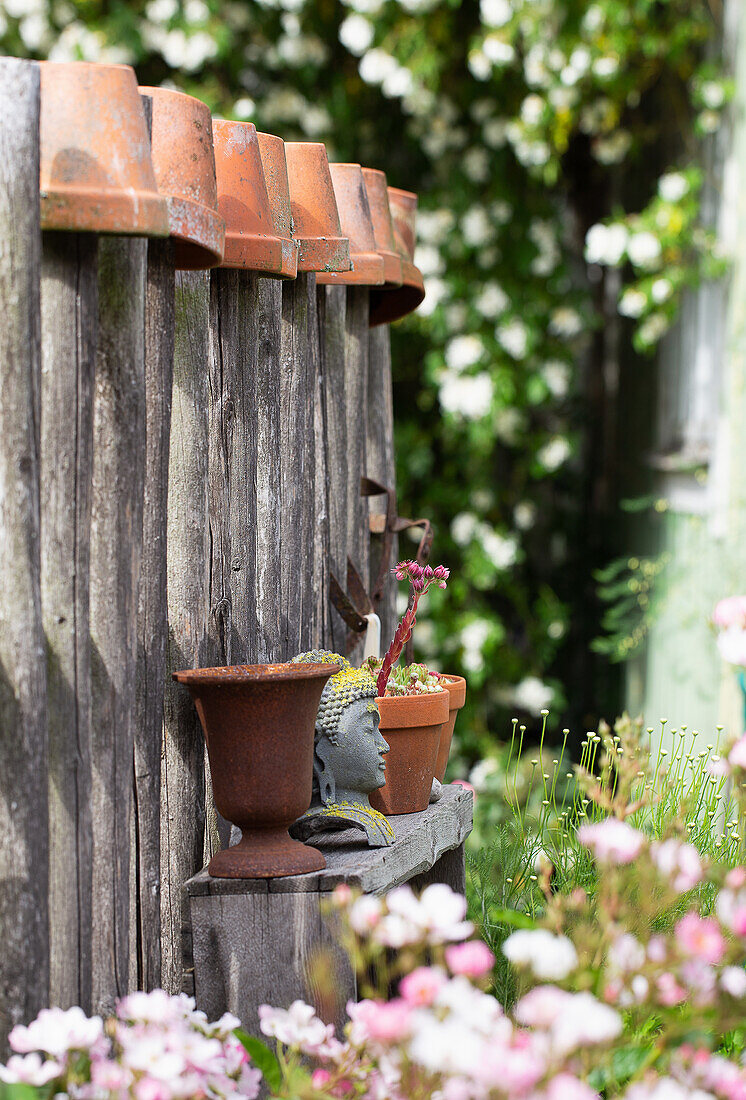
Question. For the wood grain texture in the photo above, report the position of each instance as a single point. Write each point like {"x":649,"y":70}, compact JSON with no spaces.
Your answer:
{"x":332,"y":311}
{"x":356,"y":409}
{"x":69,"y":323}
{"x":183,"y":764}
{"x":321,"y":607}
{"x":297,"y":466}
{"x":116,"y":542}
{"x":152,"y":619}
{"x":24,"y":959}
{"x":381,"y":465}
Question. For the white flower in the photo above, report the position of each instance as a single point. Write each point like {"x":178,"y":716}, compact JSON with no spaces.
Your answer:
{"x":34,"y":31}
{"x":584,"y":1022}
{"x":632,"y":303}
{"x":365,"y":913}
{"x":733,"y":981}
{"x":479,"y":65}
{"x":497,"y":50}
{"x":524,"y":515}
{"x":56,"y":1031}
{"x":626,"y":954}
{"x":606,"y":244}
{"x":399,"y":82}
{"x":580,"y":59}
{"x":661,"y":290}
{"x":679,"y":862}
{"x":612,"y":841}
{"x":712,"y":94}
{"x":476,"y":226}
{"x":534,"y":67}
{"x":513,"y":336}
{"x":470,"y":397}
{"x":594,"y":18}
{"x":612,"y":150}
{"x":297,"y":1026}
{"x":473,"y":637}
{"x":605,"y":67}
{"x":463,"y":351}
{"x":376,"y":65}
{"x":492,"y":300}
{"x":556,"y":374}
{"x":196,"y":11}
{"x":495,"y":13}
{"x":502,"y":551}
{"x":476,"y":164}
{"x":481,"y":772}
{"x":428,"y":259}
{"x":548,"y":956}
{"x":673,"y":186}
{"x":356,"y":34}
{"x":554,"y":453}
{"x":653,"y":328}
{"x":565,"y":322}
{"x":532,"y":109}
{"x":437,"y":916}
{"x":532,"y":694}
{"x":244,"y":107}
{"x":30,"y":1070}
{"x":731,"y":645}
{"x":464,"y":527}
{"x":495,"y":132}
{"x":435,"y":291}
{"x":708,"y":121}
{"x":644,"y":249}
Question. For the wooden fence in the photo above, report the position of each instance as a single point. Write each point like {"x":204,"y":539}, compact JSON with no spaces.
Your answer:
{"x":181,"y":456}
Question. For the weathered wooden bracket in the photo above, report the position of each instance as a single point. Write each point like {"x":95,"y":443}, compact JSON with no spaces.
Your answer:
{"x":389,"y":524}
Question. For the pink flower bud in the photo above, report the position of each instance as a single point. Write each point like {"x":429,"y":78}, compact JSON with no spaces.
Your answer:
{"x":428,"y":572}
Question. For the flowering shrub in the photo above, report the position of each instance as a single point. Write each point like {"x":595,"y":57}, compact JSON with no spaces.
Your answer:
{"x":157,"y":1047}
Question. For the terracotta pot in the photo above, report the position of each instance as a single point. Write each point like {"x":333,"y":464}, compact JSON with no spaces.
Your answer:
{"x":250,"y":239}
{"x":389,"y":305}
{"x":259,"y":727}
{"x":322,"y":245}
{"x":411,"y":725}
{"x":184,"y":165}
{"x":456,"y":688}
{"x":357,"y":224}
{"x":272,"y":150}
{"x":383,"y":225}
{"x":95,"y":172}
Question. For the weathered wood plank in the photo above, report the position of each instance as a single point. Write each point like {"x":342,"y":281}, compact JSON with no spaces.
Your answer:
{"x":183,"y":769}
{"x":296,"y":465}
{"x":332,"y":302}
{"x":116,"y":541}
{"x":69,"y":322}
{"x":321,"y":608}
{"x":153,"y":610}
{"x":381,"y":464}
{"x":24,"y":959}
{"x":356,"y":406}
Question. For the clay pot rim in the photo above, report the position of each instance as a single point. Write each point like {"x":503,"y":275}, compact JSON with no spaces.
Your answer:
{"x":403,"y":193}
{"x":389,"y":304}
{"x":403,"y":711}
{"x":456,"y":688}
{"x":244,"y":674}
{"x":148,"y":89}
{"x":367,"y":270}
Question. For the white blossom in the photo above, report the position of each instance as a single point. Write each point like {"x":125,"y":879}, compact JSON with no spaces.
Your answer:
{"x":605,"y":67}
{"x":500,"y":549}
{"x":479,"y":65}
{"x":644,"y":249}
{"x":244,"y":107}
{"x":376,"y":65}
{"x":661,"y":290}
{"x":565,"y":322}
{"x":673,"y":186}
{"x":708,"y":121}
{"x":556,"y":374}
{"x":513,"y":336}
{"x":473,"y":637}
{"x":712,"y":94}
{"x":495,"y":13}
{"x":632,"y":303}
{"x":613,"y":149}
{"x":651,"y":330}
{"x":463,"y":351}
{"x":606,"y":244}
{"x":532,"y":109}
{"x":532,"y":694}
{"x":548,"y":956}
{"x":497,"y":50}
{"x":476,"y":164}
{"x":554,"y":453}
{"x":492,"y":300}
{"x":356,"y":34}
{"x":476,"y":226}
{"x":495,"y":133}
{"x":464,"y":527}
{"x":469,"y":397}
{"x":524,"y":515}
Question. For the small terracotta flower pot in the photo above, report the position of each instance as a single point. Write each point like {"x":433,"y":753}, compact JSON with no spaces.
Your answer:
{"x":272,"y":150}
{"x":250,"y":239}
{"x":95,"y":172}
{"x":411,"y":725}
{"x":354,"y":215}
{"x":184,"y":165}
{"x":456,"y":688}
{"x":383,"y":225}
{"x":259,"y":723}
{"x":322,"y":244}
{"x":389,"y":305}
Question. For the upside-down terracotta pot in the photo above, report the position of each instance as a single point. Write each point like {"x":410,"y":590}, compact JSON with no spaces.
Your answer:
{"x":322,"y":246}
{"x":389,"y":305}
{"x":95,"y":171}
{"x":357,"y":224}
{"x":184,"y":165}
{"x":456,"y":688}
{"x":250,"y":239}
{"x":259,"y":723}
{"x":272,"y":151}
{"x":411,"y":725}
{"x":383,"y":225}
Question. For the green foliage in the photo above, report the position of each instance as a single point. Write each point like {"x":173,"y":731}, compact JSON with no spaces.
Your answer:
{"x":263,"y":1059}
{"x":523,"y":126}
{"x":627,"y":587}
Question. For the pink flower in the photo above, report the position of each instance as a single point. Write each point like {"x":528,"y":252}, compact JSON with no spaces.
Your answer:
{"x":736,"y":878}
{"x":542,"y":1006}
{"x":730,"y":611}
{"x":669,"y":991}
{"x":30,"y":1070}
{"x":298,"y":1026}
{"x":612,"y":841}
{"x":149,"y":1089}
{"x":473,"y":958}
{"x":679,"y":862}
{"x":57,"y":1031}
{"x":731,"y":909}
{"x":700,"y":937}
{"x":320,"y":1077}
{"x":420,"y":987}
{"x":731,"y":645}
{"x":737,"y":755}
{"x":342,"y":895}
{"x":380,"y":1021}
{"x":564,"y":1086}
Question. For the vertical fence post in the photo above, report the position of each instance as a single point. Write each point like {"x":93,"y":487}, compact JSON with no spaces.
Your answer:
{"x":320,"y":627}
{"x":152,"y":624}
{"x":116,"y":542}
{"x":69,"y":321}
{"x":183,"y":765}
{"x":332,"y":303}
{"x":380,"y":462}
{"x":356,"y":401}
{"x":297,"y":465}
{"x":24,"y":957}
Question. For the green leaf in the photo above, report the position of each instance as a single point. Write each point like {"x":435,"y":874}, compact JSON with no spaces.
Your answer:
{"x":511,"y":917}
{"x":262,"y":1057}
{"x":20,"y":1092}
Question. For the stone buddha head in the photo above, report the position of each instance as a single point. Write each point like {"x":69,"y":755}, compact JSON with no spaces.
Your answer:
{"x":349,"y":754}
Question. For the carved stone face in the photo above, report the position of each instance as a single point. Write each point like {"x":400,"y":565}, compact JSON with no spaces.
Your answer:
{"x":357,"y":760}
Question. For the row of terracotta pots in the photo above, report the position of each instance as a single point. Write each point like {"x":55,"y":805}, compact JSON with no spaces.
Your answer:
{"x":227,"y":195}
{"x":419,"y":731}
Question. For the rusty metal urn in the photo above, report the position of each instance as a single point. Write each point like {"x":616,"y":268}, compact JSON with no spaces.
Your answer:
{"x":95,"y":171}
{"x":251,"y":242}
{"x":274,"y":162}
{"x":357,"y":225}
{"x":386,"y":304}
{"x":316,"y":226}
{"x":259,"y":724}
{"x":184,"y":165}
{"x":383,"y":225}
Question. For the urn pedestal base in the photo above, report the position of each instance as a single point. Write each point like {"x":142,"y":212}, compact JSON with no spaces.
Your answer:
{"x":265,"y":853}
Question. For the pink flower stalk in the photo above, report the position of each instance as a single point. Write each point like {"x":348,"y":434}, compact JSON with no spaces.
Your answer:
{"x":700,"y":937}
{"x":473,"y":958}
{"x":420,"y":578}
